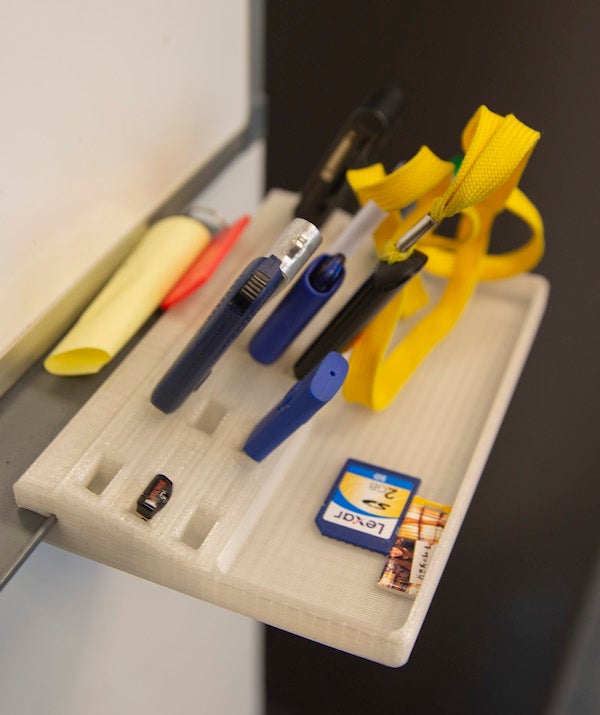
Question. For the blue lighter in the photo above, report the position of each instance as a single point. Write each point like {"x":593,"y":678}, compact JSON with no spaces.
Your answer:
{"x":308,"y":295}
{"x":304,"y":400}
{"x":250,"y":291}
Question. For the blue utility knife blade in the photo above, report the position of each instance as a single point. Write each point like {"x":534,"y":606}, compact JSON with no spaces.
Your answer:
{"x":251,"y":290}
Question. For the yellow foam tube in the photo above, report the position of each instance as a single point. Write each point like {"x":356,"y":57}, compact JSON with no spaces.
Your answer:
{"x":130,"y":297}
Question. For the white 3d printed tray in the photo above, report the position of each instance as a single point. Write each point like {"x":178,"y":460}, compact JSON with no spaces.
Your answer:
{"x":242,"y":534}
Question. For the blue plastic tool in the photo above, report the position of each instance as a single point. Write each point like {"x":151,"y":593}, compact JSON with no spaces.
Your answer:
{"x":308,"y":295}
{"x":304,"y":399}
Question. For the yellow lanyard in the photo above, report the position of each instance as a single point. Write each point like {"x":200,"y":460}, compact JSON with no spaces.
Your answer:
{"x":496,"y":152}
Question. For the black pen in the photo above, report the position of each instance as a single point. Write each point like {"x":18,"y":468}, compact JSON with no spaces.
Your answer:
{"x":354,"y":147}
{"x":373,"y":295}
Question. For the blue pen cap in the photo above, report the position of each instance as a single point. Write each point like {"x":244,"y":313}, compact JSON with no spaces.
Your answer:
{"x":304,"y":400}
{"x":307,"y":296}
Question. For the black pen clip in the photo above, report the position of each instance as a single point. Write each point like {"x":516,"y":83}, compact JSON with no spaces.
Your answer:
{"x":354,"y":147}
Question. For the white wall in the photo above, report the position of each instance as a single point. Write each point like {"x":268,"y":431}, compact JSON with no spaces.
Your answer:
{"x":107,"y":107}
{"x":82,"y":639}
{"x":79,"y":638}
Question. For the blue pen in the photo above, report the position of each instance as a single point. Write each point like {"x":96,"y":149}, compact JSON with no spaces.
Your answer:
{"x":313,"y":289}
{"x":304,"y":400}
{"x":307,"y":296}
{"x":258,"y":282}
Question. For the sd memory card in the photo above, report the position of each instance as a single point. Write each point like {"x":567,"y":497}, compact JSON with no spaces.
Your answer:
{"x":365,"y":505}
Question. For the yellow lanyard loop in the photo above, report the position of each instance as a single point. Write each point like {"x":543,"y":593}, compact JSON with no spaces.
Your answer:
{"x":496,"y":152}
{"x":441,"y":251}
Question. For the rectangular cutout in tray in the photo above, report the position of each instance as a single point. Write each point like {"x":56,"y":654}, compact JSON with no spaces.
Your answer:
{"x":242,"y":534}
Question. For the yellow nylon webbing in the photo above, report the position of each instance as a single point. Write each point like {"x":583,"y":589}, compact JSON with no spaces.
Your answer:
{"x":441,"y":251}
{"x":496,"y":152}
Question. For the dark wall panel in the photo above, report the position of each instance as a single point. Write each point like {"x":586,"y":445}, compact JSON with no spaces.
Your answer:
{"x":496,"y":634}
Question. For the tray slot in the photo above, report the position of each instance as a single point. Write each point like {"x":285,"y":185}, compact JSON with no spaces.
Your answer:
{"x":199,"y":527}
{"x":102,"y":474}
{"x":210,"y":417}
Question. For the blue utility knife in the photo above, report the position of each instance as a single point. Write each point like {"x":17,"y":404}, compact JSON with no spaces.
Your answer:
{"x":251,"y":290}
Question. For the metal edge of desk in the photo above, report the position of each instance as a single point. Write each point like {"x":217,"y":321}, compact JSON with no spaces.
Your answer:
{"x":37,"y":406}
